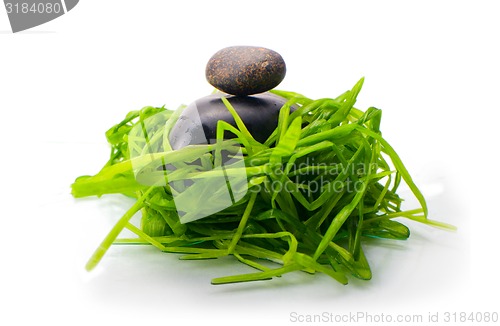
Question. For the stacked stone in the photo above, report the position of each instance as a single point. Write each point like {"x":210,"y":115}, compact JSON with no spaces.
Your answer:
{"x":245,"y":70}
{"x":244,"y":75}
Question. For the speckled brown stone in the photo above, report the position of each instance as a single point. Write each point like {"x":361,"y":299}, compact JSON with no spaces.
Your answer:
{"x":245,"y":70}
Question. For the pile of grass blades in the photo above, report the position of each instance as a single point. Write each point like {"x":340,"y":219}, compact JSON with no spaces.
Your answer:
{"x":321,"y":182}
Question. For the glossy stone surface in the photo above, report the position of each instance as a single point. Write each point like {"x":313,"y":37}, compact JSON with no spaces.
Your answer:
{"x":198,"y":122}
{"x":245,"y":70}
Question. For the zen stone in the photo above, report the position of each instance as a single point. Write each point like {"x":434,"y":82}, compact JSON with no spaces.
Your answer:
{"x":245,"y":70}
{"x":198,"y":122}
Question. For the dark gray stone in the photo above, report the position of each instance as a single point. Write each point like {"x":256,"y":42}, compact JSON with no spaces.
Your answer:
{"x":245,"y":70}
{"x":198,"y":122}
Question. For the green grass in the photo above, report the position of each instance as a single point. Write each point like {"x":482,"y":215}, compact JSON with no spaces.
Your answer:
{"x":303,"y":199}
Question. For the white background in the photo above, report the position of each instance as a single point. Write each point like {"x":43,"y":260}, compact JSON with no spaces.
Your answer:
{"x":431,"y":66}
